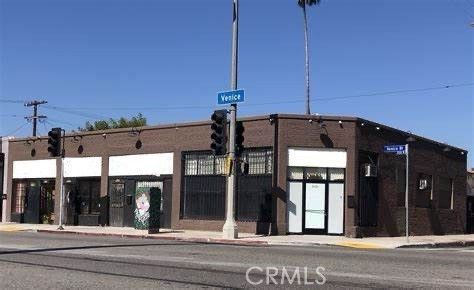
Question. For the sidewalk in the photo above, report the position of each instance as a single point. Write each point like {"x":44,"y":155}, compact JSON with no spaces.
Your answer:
{"x":251,"y":239}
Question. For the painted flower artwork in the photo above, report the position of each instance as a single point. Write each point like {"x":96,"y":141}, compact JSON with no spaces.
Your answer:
{"x":141,"y":211}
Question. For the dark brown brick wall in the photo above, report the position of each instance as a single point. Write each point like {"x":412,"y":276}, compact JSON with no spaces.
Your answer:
{"x":424,"y":157}
{"x":289,"y":131}
{"x":160,"y":139}
{"x":297,"y":131}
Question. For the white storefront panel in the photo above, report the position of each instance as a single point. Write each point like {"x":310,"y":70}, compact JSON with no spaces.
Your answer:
{"x":295,"y":207}
{"x":336,"y":209}
{"x":82,"y":167}
{"x":34,"y":168}
{"x":141,"y":164}
{"x":317,"y":157}
{"x":323,"y":206}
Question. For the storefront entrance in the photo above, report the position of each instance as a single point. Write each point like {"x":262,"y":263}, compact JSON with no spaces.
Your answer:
{"x":33,"y":201}
{"x":82,"y":201}
{"x":125,"y":194}
{"x":316,"y":200}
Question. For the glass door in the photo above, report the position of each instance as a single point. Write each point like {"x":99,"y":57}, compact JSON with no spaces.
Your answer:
{"x":315,"y":207}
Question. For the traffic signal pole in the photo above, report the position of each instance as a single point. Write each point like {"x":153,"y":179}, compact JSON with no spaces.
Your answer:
{"x":61,"y":180}
{"x":61,"y":193}
{"x":230,"y":227}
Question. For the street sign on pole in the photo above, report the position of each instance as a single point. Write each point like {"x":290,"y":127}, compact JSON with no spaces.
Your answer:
{"x":402,"y":150}
{"x":399,"y":149}
{"x":230,"y":97}
{"x":229,"y":230}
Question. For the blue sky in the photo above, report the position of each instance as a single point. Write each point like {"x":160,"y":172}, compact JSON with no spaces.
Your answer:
{"x":168,"y":59}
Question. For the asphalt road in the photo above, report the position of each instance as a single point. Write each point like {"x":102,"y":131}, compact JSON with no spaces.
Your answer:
{"x":63,"y":261}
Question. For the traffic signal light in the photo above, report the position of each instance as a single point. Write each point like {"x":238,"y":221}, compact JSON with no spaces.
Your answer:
{"x":219,"y":132}
{"x":54,"y":142}
{"x":239,"y":138}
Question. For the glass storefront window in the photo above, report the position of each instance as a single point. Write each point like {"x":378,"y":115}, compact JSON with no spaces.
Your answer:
{"x":88,"y":196}
{"x":316,"y":174}
{"x":295,"y":173}
{"x":206,"y":165}
{"x":336,"y":174}
{"x":220,"y":165}
{"x":19,"y":193}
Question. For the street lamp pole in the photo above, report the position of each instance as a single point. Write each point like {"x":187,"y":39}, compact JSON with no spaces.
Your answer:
{"x":230,"y":227}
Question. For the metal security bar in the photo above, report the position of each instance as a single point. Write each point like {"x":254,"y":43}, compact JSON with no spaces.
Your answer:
{"x":203,"y":188}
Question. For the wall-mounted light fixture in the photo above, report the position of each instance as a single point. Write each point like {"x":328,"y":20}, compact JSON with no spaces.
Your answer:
{"x":377,"y":128}
{"x":272,"y":119}
{"x":340,"y":124}
{"x":320,"y":122}
{"x":134,"y":132}
{"x":30,"y":141}
{"x":76,"y":138}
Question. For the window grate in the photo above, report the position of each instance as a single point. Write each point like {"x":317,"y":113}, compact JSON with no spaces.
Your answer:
{"x":203,"y":195}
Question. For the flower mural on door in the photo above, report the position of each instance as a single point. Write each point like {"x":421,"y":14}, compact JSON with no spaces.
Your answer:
{"x":143,"y":203}
{"x":142,"y":200}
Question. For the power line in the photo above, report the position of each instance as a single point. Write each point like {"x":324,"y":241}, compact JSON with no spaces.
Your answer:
{"x":60,"y":122}
{"x":317,"y":99}
{"x":75,"y":112}
{"x":17,"y":129}
{"x":12,"y":101}
{"x":44,"y":125}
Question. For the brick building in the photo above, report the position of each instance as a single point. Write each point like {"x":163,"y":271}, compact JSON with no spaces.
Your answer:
{"x":470,"y":201}
{"x":307,"y":174}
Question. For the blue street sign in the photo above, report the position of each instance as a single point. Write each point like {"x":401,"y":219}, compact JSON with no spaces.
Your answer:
{"x":399,"y":149}
{"x":230,"y":97}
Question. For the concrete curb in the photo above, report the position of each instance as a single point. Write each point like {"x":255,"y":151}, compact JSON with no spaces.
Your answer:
{"x":454,"y":244}
{"x":244,"y":242}
{"x":182,"y":239}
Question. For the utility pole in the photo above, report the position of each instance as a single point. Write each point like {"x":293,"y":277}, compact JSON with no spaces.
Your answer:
{"x":407,"y":232}
{"x":230,"y":227}
{"x":35,"y":116}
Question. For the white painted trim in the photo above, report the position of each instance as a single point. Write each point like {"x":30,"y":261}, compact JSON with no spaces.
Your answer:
{"x":83,"y":167}
{"x":141,"y":164}
{"x":45,"y":168}
{"x":317,"y":157}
